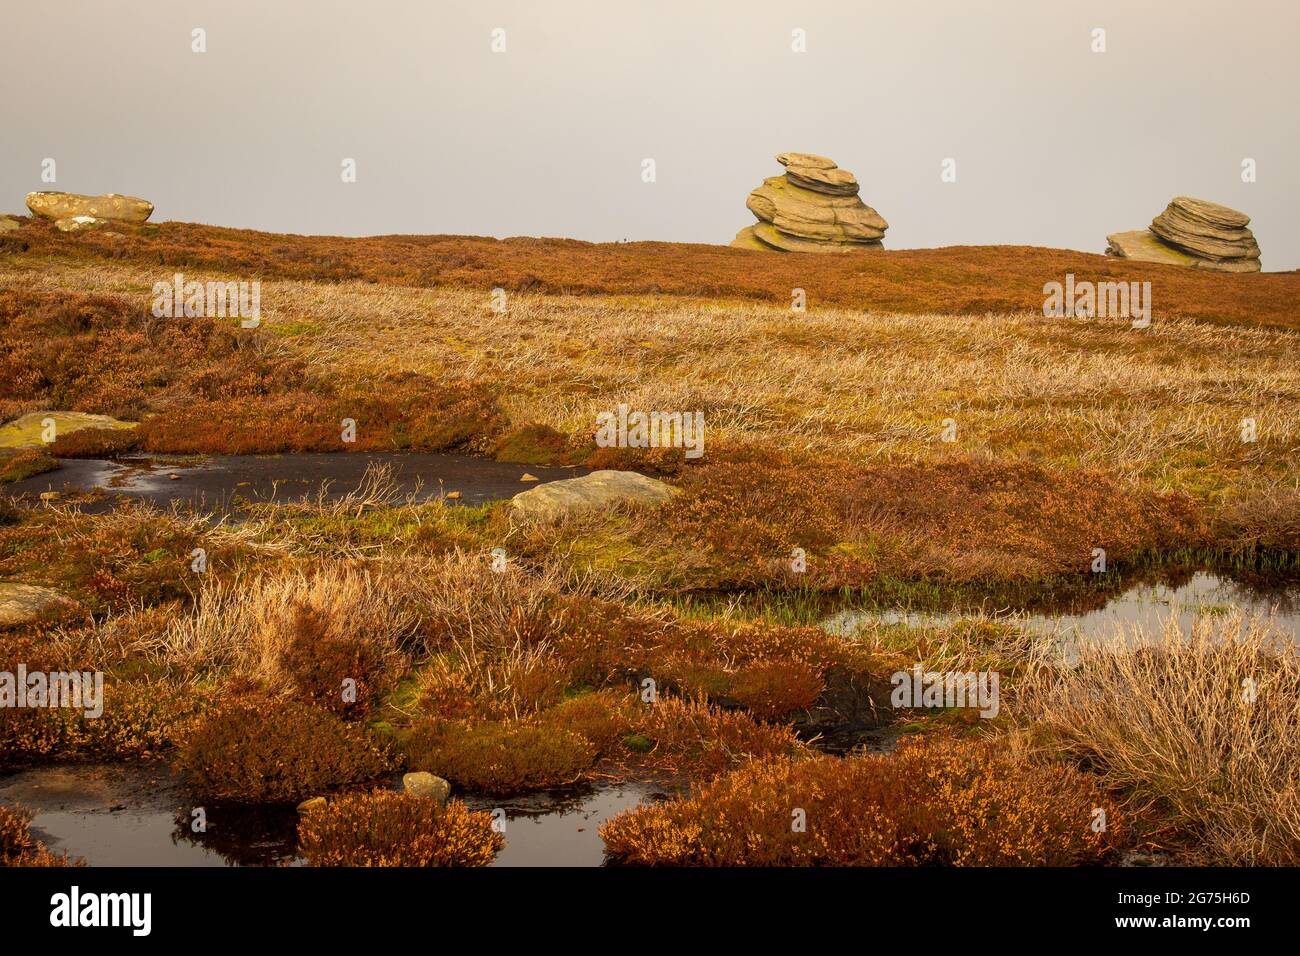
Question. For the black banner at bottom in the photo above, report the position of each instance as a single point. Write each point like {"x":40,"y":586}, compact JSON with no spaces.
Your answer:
{"x":305,"y":905}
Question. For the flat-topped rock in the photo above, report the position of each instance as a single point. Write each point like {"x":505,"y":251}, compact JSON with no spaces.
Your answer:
{"x":812,"y":207}
{"x":58,"y":205}
{"x":1206,"y":229}
{"x":1194,"y":233}
{"x":1143,"y":245}
{"x":834,"y":182}
{"x":1210,"y":212}
{"x":807,"y":160}
{"x":594,"y":492}
{"x":27,"y":431}
{"x":21,"y":603}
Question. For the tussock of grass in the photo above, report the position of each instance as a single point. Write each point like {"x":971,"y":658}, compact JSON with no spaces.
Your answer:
{"x":1168,"y":718}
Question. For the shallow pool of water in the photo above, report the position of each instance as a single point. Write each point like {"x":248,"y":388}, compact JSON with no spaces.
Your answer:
{"x":137,"y":815}
{"x":1148,"y":606}
{"x":222,"y":482}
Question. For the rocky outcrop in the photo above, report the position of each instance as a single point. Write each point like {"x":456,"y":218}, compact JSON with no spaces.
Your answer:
{"x":58,"y":207}
{"x":596,"y":491}
{"x":1194,"y":233}
{"x":9,"y":224}
{"x":813,"y":207}
{"x":28,"y":430}
{"x":20,"y":603}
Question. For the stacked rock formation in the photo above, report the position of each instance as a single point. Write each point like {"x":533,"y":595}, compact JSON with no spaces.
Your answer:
{"x":1193,"y":233}
{"x":814,"y":207}
{"x":73,"y":213}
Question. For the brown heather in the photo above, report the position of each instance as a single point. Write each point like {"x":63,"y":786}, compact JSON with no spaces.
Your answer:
{"x":383,"y":828}
{"x":17,"y":845}
{"x":961,"y":280}
{"x":498,"y":757}
{"x":951,"y":803}
{"x":259,"y":749}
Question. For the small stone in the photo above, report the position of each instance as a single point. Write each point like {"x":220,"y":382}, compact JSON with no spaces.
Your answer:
{"x":420,"y":783}
{"x":48,"y":496}
{"x":9,"y":224}
{"x":312,"y":803}
{"x":528,"y":477}
{"x":174,"y":477}
{"x":453,"y":496}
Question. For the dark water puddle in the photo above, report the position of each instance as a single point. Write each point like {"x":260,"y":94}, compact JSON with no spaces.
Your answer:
{"x":221,"y":483}
{"x":560,"y":827}
{"x":1182,"y":598}
{"x":138,"y":815}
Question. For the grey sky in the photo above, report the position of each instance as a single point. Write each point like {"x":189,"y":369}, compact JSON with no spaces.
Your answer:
{"x":1055,"y":145}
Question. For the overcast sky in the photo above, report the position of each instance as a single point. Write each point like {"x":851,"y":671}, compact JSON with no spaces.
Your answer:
{"x":1055,"y":145}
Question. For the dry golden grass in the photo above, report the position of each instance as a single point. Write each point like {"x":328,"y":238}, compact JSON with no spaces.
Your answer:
{"x":1201,"y":728}
{"x":1165,"y":404}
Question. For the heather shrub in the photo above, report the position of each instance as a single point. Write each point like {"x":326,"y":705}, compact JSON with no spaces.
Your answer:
{"x":697,"y":739}
{"x":602,"y":718}
{"x":498,"y":757}
{"x":774,"y":689}
{"x":952,"y":803}
{"x":25,"y":464}
{"x":384,"y":828}
{"x":17,"y":845}
{"x":534,"y":444}
{"x":319,"y":657}
{"x":95,"y":443}
{"x":256,"y":749}
{"x":140,"y":719}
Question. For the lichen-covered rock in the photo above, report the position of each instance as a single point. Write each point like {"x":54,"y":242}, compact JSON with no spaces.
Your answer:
{"x":421,"y":783}
{"x":596,"y":491}
{"x":1193,"y":233}
{"x":813,"y":207}
{"x":58,"y":205}
{"x":28,"y":431}
{"x":20,"y":603}
{"x":1143,"y":245}
{"x":1206,"y":229}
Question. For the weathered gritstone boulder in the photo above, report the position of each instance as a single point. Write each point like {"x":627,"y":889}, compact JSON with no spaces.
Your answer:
{"x":594,"y":492}
{"x":1194,"y":233}
{"x":1206,"y":229}
{"x":9,"y":224}
{"x":1145,"y":246}
{"x":57,"y":206}
{"x":421,"y":783}
{"x":20,"y":603}
{"x":27,"y":430}
{"x":813,"y":207}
